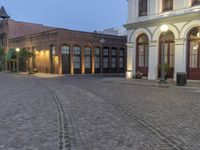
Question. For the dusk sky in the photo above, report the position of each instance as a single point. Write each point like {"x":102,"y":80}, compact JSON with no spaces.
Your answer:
{"x":86,"y":15}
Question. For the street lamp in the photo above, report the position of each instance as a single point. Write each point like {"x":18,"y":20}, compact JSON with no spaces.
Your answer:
{"x":17,"y":50}
{"x":164,"y":29}
{"x":102,"y":41}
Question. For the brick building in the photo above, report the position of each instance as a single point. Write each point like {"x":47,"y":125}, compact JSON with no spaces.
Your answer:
{"x":63,"y":51}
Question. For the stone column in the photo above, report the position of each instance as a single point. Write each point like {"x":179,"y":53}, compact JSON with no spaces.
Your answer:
{"x":153,"y":60}
{"x":180,"y":56}
{"x":92,"y":60}
{"x":82,"y":60}
{"x":131,"y":60}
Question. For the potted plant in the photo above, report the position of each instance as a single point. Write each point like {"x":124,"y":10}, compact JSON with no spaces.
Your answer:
{"x":166,"y":67}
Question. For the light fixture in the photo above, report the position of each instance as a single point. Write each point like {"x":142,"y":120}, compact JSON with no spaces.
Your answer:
{"x":129,"y":75}
{"x":198,"y":34}
{"x":164,"y":28}
{"x":17,"y":49}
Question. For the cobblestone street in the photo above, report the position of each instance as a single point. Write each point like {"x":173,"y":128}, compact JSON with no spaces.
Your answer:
{"x":87,"y":113}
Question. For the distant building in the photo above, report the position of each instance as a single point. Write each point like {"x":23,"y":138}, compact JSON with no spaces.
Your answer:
{"x":114,"y":31}
{"x":62,"y":51}
{"x":147,"y":22}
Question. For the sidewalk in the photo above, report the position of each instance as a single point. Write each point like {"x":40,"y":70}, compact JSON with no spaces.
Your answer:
{"x":42,"y":75}
{"x":191,"y":85}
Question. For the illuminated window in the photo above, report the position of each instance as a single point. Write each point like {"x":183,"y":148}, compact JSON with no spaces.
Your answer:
{"x":194,"y":51}
{"x":143,"y":53}
{"x":169,"y":48}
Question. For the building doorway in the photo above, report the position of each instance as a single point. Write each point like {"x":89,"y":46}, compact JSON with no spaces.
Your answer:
{"x":77,"y":59}
{"x":66,"y":60}
{"x":169,"y":52}
{"x":142,"y":54}
{"x":194,"y":54}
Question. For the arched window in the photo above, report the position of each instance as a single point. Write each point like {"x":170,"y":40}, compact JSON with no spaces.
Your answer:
{"x":194,"y":38}
{"x":143,"y":6}
{"x":195,"y":2}
{"x":87,"y":60}
{"x":194,"y":53}
{"x":65,"y":50}
{"x":167,"y":5}
{"x":167,"y":42}
{"x":77,"y":59}
{"x":142,"y":54}
{"x":97,"y":59}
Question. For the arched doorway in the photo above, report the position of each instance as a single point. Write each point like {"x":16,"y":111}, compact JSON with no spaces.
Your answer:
{"x":65,"y":59}
{"x":77,"y":59}
{"x":169,"y":52}
{"x":142,"y":54}
{"x":194,"y":54}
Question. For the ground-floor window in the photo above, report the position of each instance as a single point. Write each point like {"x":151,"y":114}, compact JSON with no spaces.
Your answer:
{"x":194,"y":54}
{"x":87,"y":60}
{"x":121,"y":59}
{"x":77,"y":59}
{"x":97,"y":59}
{"x":106,"y":59}
{"x":114,"y":59}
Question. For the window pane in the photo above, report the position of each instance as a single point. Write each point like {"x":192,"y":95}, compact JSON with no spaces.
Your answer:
{"x":65,"y":50}
{"x":96,"y":58}
{"x":143,"y":7}
{"x":77,"y":57}
{"x":167,"y":5}
{"x":194,"y":55}
{"x":87,"y":58}
{"x":105,"y":58}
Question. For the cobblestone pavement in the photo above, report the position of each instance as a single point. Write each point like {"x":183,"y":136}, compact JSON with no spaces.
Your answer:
{"x":28,"y":115}
{"x":98,"y":115}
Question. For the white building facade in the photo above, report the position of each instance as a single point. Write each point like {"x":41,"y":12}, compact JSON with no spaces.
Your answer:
{"x":181,"y":43}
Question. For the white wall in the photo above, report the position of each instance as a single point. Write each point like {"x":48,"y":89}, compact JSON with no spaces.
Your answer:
{"x":155,"y":9}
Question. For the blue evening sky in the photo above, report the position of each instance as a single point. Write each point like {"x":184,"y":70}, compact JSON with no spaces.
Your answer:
{"x":86,"y":15}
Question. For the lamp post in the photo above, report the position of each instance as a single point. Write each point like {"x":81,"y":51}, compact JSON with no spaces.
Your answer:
{"x":102,"y":41}
{"x":164,"y":29}
{"x":17,"y":50}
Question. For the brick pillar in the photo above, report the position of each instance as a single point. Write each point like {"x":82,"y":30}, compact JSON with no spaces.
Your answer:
{"x":71,"y":61}
{"x":82,"y":60}
{"x":92,"y":60}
